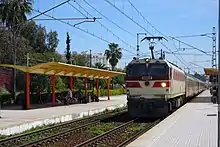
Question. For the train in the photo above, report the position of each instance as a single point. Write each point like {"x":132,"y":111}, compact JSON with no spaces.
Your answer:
{"x":156,"y":87}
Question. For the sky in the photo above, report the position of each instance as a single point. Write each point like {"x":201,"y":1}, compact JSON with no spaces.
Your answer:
{"x":170,"y":17}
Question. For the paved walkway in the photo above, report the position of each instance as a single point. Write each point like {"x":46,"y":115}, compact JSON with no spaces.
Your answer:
{"x":193,"y":125}
{"x":19,"y":120}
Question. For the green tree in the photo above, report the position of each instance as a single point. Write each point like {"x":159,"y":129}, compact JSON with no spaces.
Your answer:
{"x":38,"y":38}
{"x":22,"y":48}
{"x":12,"y":15}
{"x":52,"y":41}
{"x":13,"y":12}
{"x":100,"y":65}
{"x":44,"y":57}
{"x":79,"y":58}
{"x":113,"y":54}
{"x":68,"y":52}
{"x":40,"y":44}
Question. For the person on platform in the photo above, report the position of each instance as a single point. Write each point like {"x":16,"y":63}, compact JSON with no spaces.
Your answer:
{"x":38,"y":93}
{"x":70,"y":98}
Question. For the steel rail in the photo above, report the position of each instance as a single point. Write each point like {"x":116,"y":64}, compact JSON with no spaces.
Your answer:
{"x":60,"y":135}
{"x":138,"y":134}
{"x":98,"y":138}
{"x":105,"y":137}
{"x":23,"y":138}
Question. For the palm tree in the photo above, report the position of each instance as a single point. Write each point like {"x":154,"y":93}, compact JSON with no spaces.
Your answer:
{"x":113,"y":54}
{"x":13,"y":12}
{"x":100,"y":66}
{"x":12,"y":15}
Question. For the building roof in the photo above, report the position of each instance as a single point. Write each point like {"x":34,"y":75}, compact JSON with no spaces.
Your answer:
{"x":210,"y":71}
{"x":62,"y":69}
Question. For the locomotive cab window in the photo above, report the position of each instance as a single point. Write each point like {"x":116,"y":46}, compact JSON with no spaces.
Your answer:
{"x":158,"y":70}
{"x":136,"y":70}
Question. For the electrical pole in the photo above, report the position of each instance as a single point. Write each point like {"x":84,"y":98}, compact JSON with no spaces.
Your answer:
{"x":90,"y":65}
{"x":138,"y":47}
{"x":90,"y":58}
{"x":214,"y":64}
{"x":218,"y":73}
{"x":13,"y":33}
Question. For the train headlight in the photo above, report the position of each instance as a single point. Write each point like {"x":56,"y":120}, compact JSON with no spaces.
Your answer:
{"x":147,"y":60}
{"x":163,"y":84}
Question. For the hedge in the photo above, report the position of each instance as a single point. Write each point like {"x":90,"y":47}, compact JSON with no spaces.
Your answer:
{"x":7,"y":98}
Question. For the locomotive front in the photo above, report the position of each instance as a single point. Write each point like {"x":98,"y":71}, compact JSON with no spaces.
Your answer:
{"x":148,"y":85}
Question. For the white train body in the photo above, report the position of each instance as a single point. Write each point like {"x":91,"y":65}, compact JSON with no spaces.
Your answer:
{"x":155,"y":87}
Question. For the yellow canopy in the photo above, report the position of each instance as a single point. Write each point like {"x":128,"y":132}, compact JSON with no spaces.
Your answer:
{"x":210,"y":71}
{"x":62,"y":69}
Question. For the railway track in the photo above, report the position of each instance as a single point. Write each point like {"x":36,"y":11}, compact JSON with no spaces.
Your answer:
{"x":121,"y":135}
{"x":61,"y":130}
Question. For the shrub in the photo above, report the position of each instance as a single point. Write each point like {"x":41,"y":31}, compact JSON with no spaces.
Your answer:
{"x":6,"y":97}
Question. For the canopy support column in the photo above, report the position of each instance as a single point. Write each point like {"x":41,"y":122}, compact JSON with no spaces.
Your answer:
{"x":108,"y":83}
{"x":97,"y":87}
{"x":27,"y":90}
{"x":53,"y":90}
{"x":71,"y":83}
{"x":85,"y":84}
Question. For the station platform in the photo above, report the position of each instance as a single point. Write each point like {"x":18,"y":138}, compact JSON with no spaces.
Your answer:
{"x":17,"y":121}
{"x":192,"y":125}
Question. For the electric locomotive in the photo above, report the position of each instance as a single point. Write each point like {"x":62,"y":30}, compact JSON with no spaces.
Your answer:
{"x":156,"y":86}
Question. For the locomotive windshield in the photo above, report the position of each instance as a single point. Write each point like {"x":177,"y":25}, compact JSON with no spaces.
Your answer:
{"x":158,"y":69}
{"x":137,"y":70}
{"x":143,"y":69}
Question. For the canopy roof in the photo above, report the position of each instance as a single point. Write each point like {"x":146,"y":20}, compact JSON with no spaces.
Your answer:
{"x":62,"y":69}
{"x":210,"y":71}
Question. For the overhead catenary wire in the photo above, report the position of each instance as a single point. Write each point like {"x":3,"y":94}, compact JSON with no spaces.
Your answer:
{"x":186,"y":54}
{"x":127,"y":16}
{"x":109,"y":19}
{"x":42,"y":13}
{"x":160,"y":31}
{"x":130,"y":46}
{"x":183,"y":61}
{"x":189,"y":36}
{"x":77,"y":10}
{"x":176,"y":56}
{"x":153,"y":27}
{"x":145,"y":18}
{"x":67,"y":23}
{"x":197,"y":65}
{"x":189,"y":45}
{"x":85,"y":31}
{"x":133,"y":21}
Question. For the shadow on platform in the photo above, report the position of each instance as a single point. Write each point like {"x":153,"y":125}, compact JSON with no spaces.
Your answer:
{"x":33,"y":106}
{"x":201,"y":100}
{"x":39,"y":106}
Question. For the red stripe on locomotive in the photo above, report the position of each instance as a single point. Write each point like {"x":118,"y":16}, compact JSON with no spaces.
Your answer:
{"x":133,"y":84}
